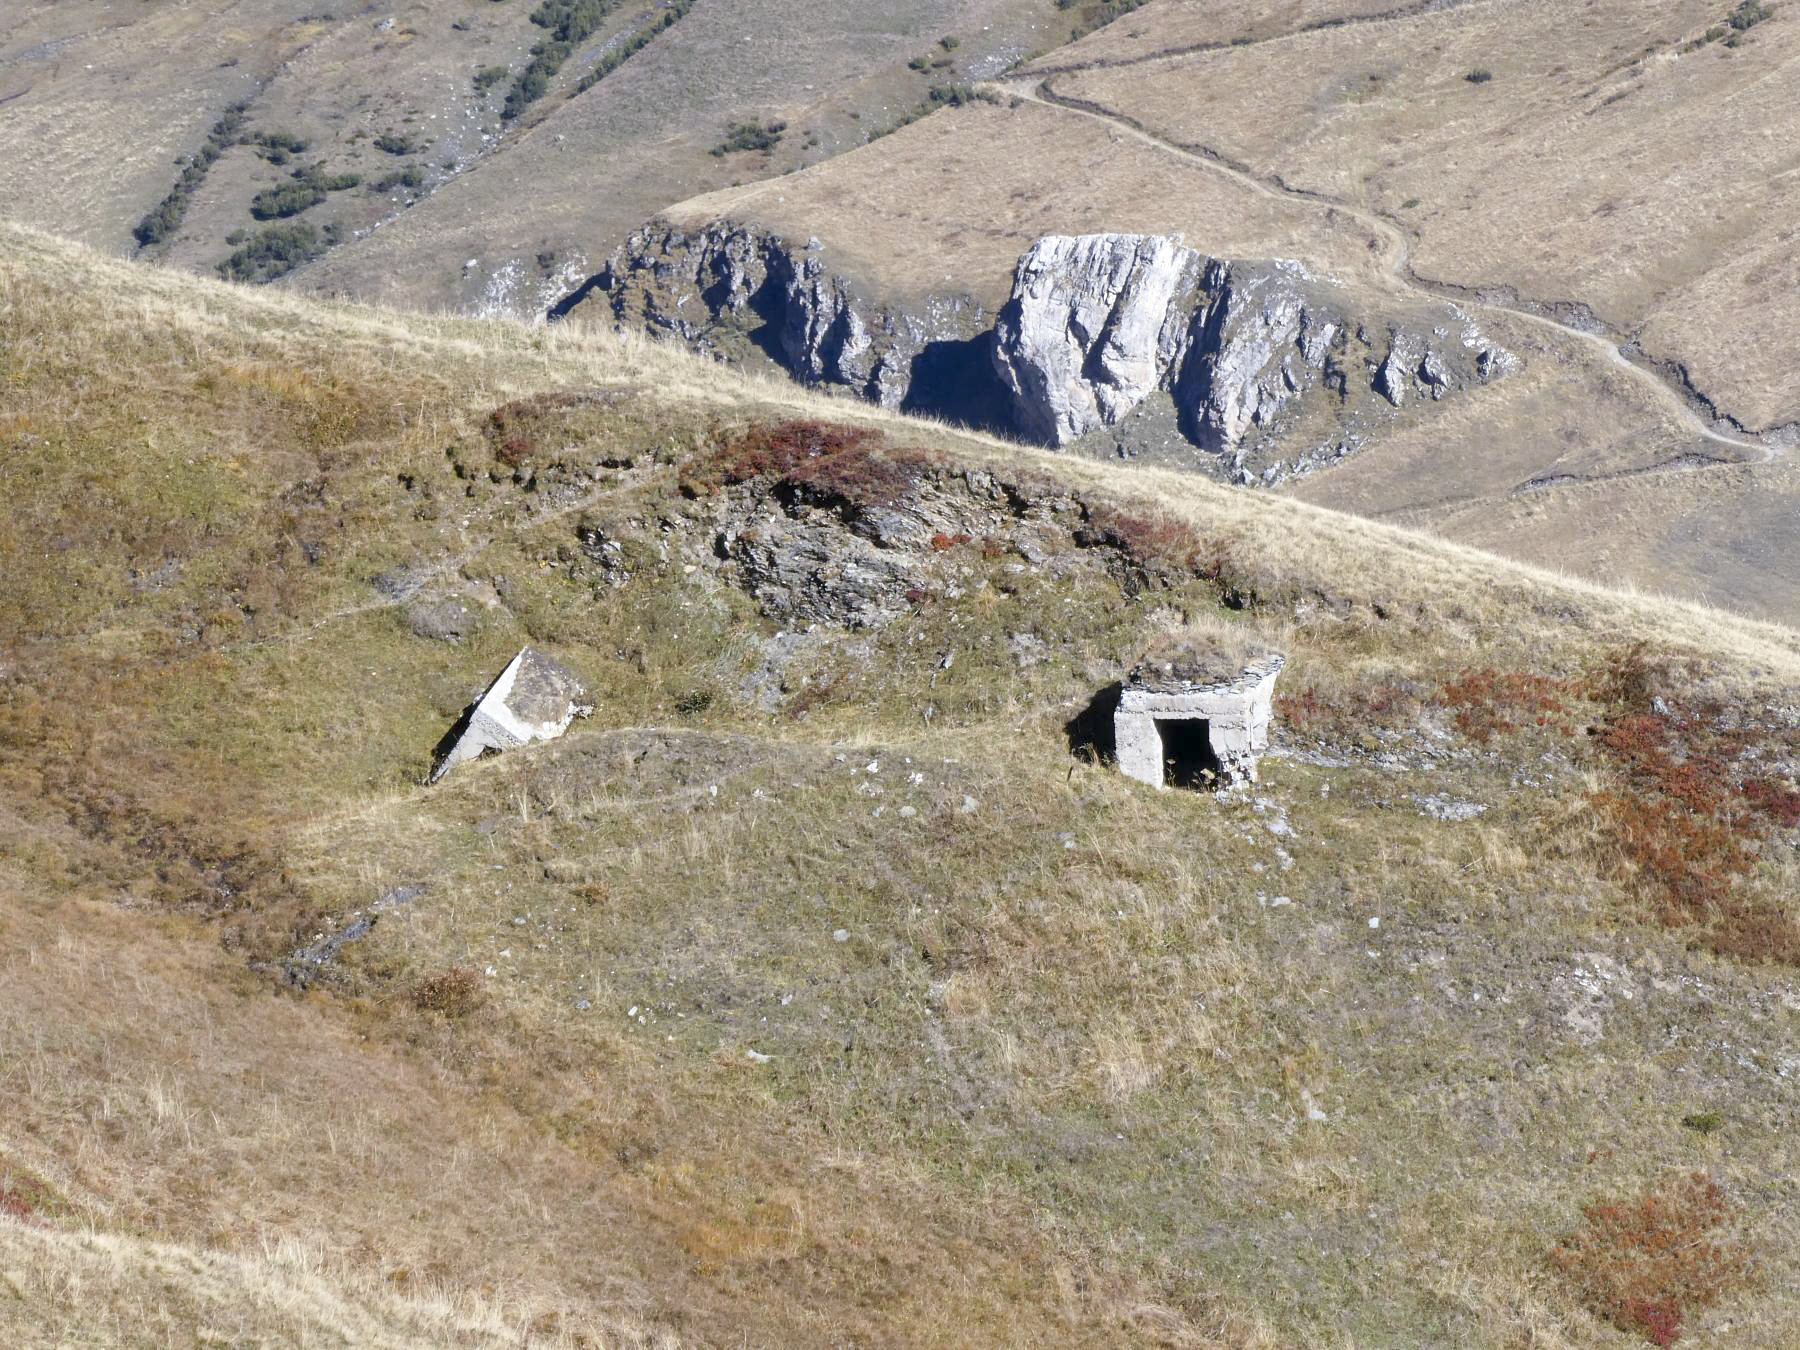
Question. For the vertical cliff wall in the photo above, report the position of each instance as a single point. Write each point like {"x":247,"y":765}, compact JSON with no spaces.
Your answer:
{"x":1252,"y":370}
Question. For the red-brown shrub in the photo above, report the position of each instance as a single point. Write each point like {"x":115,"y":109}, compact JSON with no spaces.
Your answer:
{"x":22,"y":1197}
{"x":1686,"y":817}
{"x":1690,"y":825}
{"x":1343,"y":714}
{"x":1486,"y":702}
{"x":834,"y":461}
{"x":454,"y":993}
{"x":1649,"y":1263}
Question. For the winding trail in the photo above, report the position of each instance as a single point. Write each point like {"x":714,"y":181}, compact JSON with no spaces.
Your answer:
{"x":1394,"y":251}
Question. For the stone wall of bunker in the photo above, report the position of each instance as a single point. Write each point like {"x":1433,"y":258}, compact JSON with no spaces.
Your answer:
{"x":1138,"y":747}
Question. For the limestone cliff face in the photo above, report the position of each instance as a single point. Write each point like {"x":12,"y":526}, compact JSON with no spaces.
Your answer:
{"x":1127,"y":343}
{"x":731,"y":290}
{"x":1246,"y":351}
{"x":1088,"y":332}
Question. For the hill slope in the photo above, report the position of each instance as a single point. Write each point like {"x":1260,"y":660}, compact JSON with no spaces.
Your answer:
{"x":500,"y":151}
{"x":822,"y":987}
{"x":1645,"y":439}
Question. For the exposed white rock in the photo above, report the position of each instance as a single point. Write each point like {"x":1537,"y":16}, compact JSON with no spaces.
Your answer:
{"x":1268,"y":367}
{"x":1082,"y":341}
{"x":533,"y":699}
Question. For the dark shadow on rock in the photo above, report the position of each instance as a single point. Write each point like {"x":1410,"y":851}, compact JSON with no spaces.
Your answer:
{"x":560,"y":310}
{"x":956,"y":381}
{"x":452,"y":736}
{"x":1090,"y":731}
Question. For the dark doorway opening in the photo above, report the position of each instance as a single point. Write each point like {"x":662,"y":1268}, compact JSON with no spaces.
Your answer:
{"x":1188,"y":758}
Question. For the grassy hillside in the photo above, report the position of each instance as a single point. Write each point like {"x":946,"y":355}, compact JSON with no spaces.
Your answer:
{"x":1526,"y":149}
{"x":823,"y":986}
{"x":457,"y":154}
{"x":1402,"y":148}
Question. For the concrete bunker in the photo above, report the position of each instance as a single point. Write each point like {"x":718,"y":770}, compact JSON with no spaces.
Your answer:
{"x":1186,"y":722}
{"x":533,"y":699}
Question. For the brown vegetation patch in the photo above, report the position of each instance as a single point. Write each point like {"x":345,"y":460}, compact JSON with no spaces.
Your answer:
{"x":454,"y":993}
{"x":1316,"y":713}
{"x":1690,"y":808}
{"x":1489,"y":702}
{"x":24,"y":1197}
{"x":828,"y":460}
{"x":1648,"y":1263}
{"x":521,"y":431}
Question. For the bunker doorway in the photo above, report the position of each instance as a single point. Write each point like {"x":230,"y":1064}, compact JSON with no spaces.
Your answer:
{"x":1187,"y":752}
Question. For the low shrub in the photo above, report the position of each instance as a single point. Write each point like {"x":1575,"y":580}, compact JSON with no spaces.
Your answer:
{"x":1487,"y":702}
{"x":489,"y":76}
{"x":1341,"y":716}
{"x":618,"y":55}
{"x":278,"y":147}
{"x":826,"y":460}
{"x":24,"y":1197}
{"x":287,"y":199}
{"x":941,"y":96}
{"x":1688,"y":805}
{"x":1100,"y":15}
{"x":694,"y":702}
{"x":570,"y":23}
{"x":1480,"y":75}
{"x":1748,"y":14}
{"x":1648,"y":1263}
{"x":764,"y":136}
{"x":411,"y":176}
{"x":452,"y":993}
{"x":398,"y":143}
{"x":166,"y":217}
{"x":276,"y":251}
{"x":307,"y":190}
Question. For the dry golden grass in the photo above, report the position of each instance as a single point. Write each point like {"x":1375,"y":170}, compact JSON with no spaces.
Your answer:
{"x":947,"y":205}
{"x":105,"y":1289}
{"x":1574,"y":175}
{"x":97,"y":105}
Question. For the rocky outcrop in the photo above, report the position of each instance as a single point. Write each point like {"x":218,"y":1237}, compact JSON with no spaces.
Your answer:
{"x":1118,"y":342}
{"x":1246,"y":351}
{"x":1087,"y":334}
{"x":733,"y":291}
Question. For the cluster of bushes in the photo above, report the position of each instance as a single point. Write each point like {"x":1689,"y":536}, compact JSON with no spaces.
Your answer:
{"x":571,"y":22}
{"x":411,"y":176}
{"x":398,"y":143}
{"x":167,"y":215}
{"x":941,"y":96}
{"x":1100,"y":15}
{"x":276,"y":251}
{"x":307,"y":190}
{"x":1740,"y":21}
{"x":631,"y":46}
{"x":929,"y":62}
{"x":1748,"y":14}
{"x":278,"y":147}
{"x":750,"y":136}
{"x":489,"y":76}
